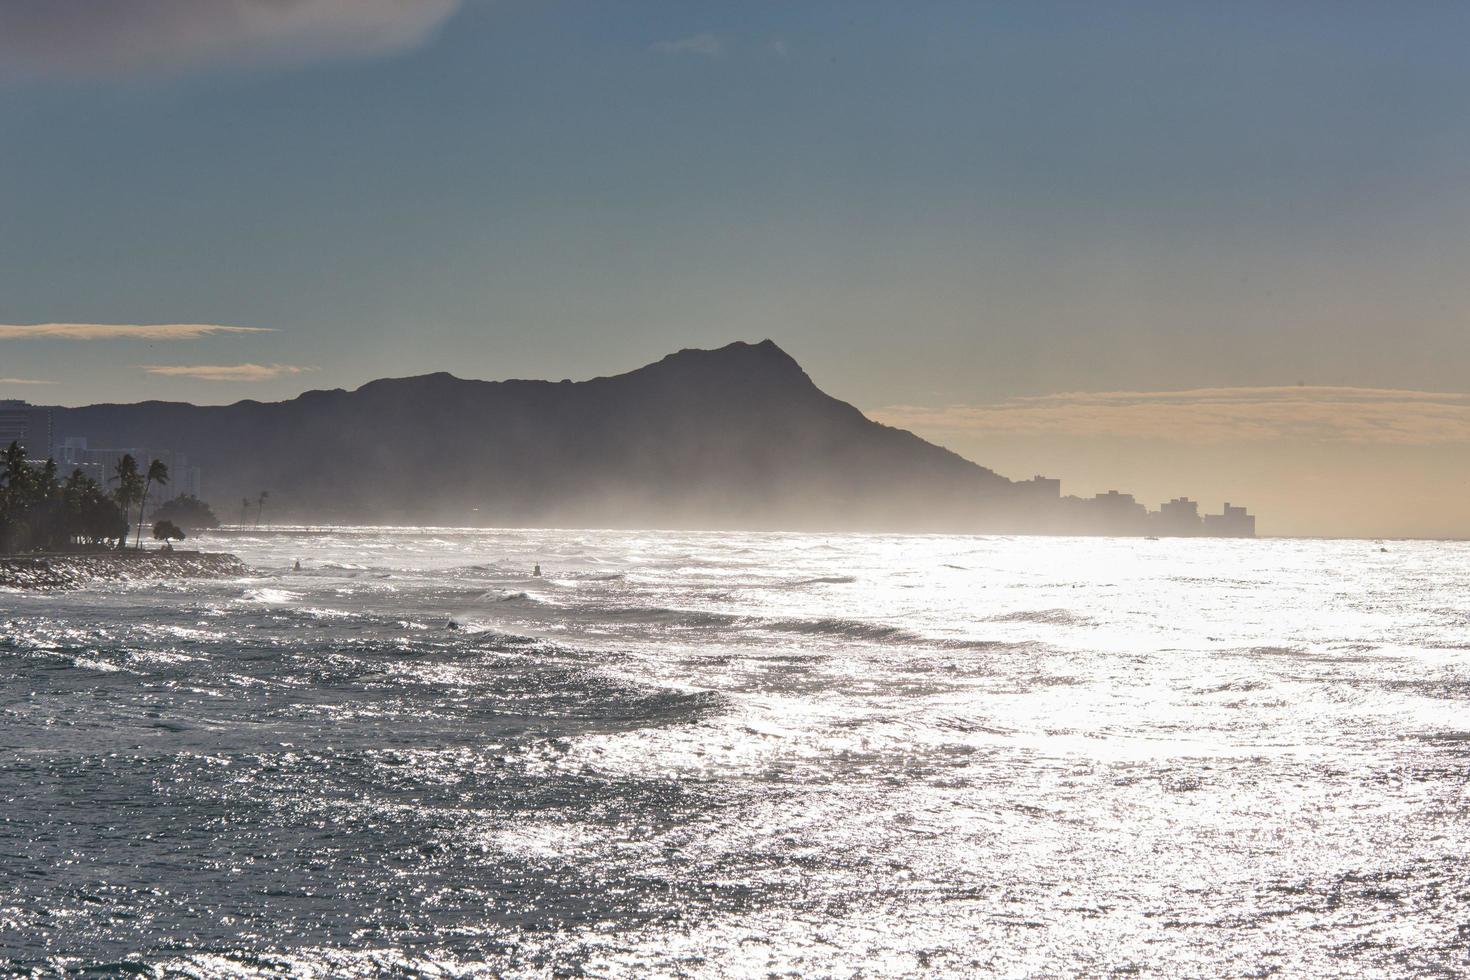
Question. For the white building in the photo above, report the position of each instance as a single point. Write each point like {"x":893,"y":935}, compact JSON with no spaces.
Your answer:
{"x":100,"y":465}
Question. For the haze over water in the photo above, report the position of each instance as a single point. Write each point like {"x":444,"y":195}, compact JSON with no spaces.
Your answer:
{"x":744,"y":755}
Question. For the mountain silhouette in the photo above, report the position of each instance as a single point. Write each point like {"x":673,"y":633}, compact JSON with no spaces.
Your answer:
{"x":734,"y":437}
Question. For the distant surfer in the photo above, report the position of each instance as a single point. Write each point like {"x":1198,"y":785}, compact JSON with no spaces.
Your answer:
{"x":297,"y":566}
{"x":537,"y":572}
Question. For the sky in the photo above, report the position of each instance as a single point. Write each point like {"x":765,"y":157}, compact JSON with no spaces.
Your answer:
{"x":1213,"y":249}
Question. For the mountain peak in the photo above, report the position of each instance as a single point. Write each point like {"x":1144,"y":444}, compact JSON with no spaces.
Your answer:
{"x":739,"y":360}
{"x":736,"y":436}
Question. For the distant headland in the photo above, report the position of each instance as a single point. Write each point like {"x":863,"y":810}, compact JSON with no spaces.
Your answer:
{"x":734,"y":438}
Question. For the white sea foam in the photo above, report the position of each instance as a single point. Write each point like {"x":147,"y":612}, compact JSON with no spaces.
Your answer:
{"x":273,"y":597}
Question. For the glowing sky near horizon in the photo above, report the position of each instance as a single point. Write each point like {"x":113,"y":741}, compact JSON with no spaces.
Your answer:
{"x":937,"y":208}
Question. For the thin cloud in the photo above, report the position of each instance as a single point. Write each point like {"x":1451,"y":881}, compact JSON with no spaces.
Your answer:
{"x":1213,"y":415}
{"x":707,"y":45}
{"x":225,"y":372}
{"x":25,"y":381}
{"x":89,"y":40}
{"x":119,"y":331}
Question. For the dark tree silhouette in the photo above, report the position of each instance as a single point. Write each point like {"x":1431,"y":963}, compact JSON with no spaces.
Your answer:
{"x":40,"y":512}
{"x":260,"y":504}
{"x":188,"y":512}
{"x":167,"y":530}
{"x":17,"y":475}
{"x":129,"y":487}
{"x":48,"y":485}
{"x":93,"y":516}
{"x":157,"y":473}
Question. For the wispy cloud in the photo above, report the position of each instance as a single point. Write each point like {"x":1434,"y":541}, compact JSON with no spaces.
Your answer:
{"x":707,"y":45}
{"x":25,"y":381}
{"x":119,"y":331}
{"x":1213,"y":415}
{"x":225,"y":372}
{"x":88,"y":39}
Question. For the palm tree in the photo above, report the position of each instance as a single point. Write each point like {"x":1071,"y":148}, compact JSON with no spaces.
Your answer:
{"x":260,"y":504}
{"x":50,"y":484}
{"x":244,"y":510}
{"x":129,"y":486}
{"x":13,"y":460}
{"x":157,"y":473}
{"x":15,"y":478}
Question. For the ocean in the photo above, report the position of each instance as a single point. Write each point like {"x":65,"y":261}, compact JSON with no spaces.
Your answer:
{"x":743,"y":755}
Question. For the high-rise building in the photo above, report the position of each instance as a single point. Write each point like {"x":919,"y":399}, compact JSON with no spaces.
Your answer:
{"x":100,"y":464}
{"x":1177,"y":518}
{"x":1114,"y":513}
{"x":26,"y":424}
{"x":1234,"y":522}
{"x":15,"y":419}
{"x":1041,"y":488}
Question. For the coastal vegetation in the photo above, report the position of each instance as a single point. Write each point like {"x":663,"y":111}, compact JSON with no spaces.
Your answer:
{"x":134,"y":485}
{"x":186,"y":512}
{"x":258,"y":503}
{"x":64,"y":533}
{"x":167,"y":531}
{"x":157,"y":473}
{"x":40,"y":511}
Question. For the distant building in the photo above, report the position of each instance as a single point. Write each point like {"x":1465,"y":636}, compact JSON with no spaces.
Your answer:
{"x":1040,"y":488}
{"x":99,"y":464}
{"x":26,"y":424}
{"x":14,"y":421}
{"x":1114,"y":502}
{"x":1114,"y":513}
{"x":1234,"y":522}
{"x":1177,"y":518}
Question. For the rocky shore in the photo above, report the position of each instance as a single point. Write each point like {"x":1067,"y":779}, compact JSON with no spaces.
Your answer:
{"x":72,"y":571}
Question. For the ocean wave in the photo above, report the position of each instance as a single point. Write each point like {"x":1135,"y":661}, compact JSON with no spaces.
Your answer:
{"x":328,"y":614}
{"x":93,"y":664}
{"x":677,"y":736}
{"x":665,"y":616}
{"x":484,"y":572}
{"x":270,"y":597}
{"x":1048,"y":617}
{"x":855,"y":629}
{"x":869,"y":631}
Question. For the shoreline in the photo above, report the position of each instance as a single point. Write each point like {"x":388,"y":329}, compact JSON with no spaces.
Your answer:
{"x":75,"y":570}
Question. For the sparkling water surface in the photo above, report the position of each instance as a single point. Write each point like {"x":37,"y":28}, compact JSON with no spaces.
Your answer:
{"x":744,"y":755}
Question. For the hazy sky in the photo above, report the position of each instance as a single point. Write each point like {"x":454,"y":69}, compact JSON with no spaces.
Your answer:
{"x":1011,"y":226}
